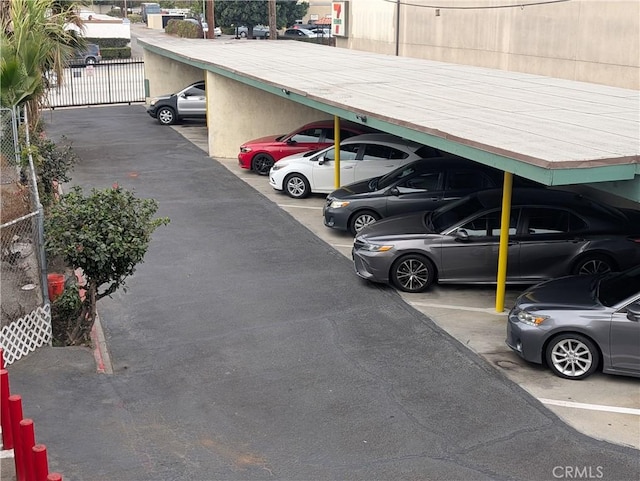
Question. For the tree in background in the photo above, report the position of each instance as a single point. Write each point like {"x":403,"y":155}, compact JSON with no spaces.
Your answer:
{"x":256,"y":12}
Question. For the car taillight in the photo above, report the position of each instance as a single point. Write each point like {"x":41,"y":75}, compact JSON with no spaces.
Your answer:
{"x":634,"y":239}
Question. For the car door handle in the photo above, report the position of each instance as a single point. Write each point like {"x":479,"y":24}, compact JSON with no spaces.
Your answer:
{"x":348,"y":167}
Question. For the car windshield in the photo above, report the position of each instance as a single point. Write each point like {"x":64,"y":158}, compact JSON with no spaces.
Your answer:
{"x":394,"y":176}
{"x":446,"y":217}
{"x":618,"y":286}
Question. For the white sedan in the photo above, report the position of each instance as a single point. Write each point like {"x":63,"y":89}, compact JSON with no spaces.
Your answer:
{"x":361,"y":157}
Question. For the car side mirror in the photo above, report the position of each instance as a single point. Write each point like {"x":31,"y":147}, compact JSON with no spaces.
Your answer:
{"x":633,"y":312}
{"x":291,"y":142}
{"x":394,"y":191}
{"x":321,"y":160}
{"x":461,"y":235}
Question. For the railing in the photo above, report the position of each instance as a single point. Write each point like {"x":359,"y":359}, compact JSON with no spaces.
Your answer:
{"x":107,"y":82}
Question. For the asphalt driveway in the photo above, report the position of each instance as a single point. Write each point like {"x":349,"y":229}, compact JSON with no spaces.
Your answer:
{"x":244,"y":349}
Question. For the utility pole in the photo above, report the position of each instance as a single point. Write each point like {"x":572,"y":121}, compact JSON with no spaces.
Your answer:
{"x":210,"y":19}
{"x":273,"y":33}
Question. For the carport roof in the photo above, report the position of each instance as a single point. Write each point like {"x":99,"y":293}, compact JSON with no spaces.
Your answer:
{"x":551,"y":130}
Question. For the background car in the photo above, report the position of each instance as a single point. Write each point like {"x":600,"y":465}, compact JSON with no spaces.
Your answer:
{"x":190,"y":102}
{"x":361,"y":157}
{"x":217,"y":31}
{"x":552,"y":234}
{"x":298,"y":33}
{"x":321,"y":32}
{"x":260,"y":154}
{"x":577,"y":324}
{"x":259,"y":31}
{"x":422,"y":185}
{"x":87,"y":55}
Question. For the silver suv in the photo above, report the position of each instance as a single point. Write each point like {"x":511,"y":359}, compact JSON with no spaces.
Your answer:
{"x":88,"y":55}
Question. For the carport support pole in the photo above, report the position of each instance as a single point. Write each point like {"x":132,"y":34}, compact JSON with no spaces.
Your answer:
{"x":503,"y":252}
{"x":336,"y":148}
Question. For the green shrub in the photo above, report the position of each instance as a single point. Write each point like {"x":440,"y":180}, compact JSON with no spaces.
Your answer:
{"x":182,"y":28}
{"x":64,"y":313}
{"x":135,"y":18}
{"x":109,"y":42}
{"x":115,"y":53}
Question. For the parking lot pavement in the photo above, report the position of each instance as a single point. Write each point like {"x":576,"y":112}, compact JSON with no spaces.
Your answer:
{"x":602,"y":406}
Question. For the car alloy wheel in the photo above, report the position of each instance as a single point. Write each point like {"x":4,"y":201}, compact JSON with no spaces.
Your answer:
{"x":166,"y":116}
{"x":262,"y":164}
{"x":362,"y":219}
{"x":91,"y":61}
{"x":595,"y":264}
{"x":572,"y":356}
{"x":413,"y":273}
{"x":297,"y":186}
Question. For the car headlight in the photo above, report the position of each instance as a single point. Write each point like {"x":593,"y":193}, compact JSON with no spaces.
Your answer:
{"x":277,"y":166}
{"x":337,"y":204}
{"x":530,"y":318}
{"x":244,"y":149}
{"x":153,"y":102}
{"x":376,"y":247}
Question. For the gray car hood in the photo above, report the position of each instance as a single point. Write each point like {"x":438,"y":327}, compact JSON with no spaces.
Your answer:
{"x":397,"y":226}
{"x":574,"y":292}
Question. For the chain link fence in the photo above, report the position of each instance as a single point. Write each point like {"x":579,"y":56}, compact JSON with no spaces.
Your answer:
{"x":25,"y":314}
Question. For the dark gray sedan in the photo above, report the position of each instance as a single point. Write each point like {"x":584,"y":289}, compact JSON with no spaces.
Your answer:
{"x":551,"y":234}
{"x":577,"y":324}
{"x":423,"y":185}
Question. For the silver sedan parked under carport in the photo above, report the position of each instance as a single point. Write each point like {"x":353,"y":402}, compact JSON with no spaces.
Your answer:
{"x":577,"y":324}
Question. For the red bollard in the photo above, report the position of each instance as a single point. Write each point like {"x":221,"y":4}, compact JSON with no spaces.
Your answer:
{"x":1,"y":358}
{"x":5,"y":420}
{"x":15,"y":412}
{"x":40,"y":462}
{"x":54,"y":477}
{"x":28,"y":437}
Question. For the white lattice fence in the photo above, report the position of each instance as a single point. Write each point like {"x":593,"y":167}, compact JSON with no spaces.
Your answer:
{"x":26,"y":334}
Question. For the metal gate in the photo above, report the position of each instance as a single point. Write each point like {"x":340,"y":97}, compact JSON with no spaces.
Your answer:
{"x":107,"y":82}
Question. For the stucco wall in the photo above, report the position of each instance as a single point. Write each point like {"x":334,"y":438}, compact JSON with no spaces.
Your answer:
{"x":586,"y":40}
{"x":167,"y":76}
{"x":237,"y":112}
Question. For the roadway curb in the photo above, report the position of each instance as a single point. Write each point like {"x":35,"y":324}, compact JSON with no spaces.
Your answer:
{"x":100,"y":351}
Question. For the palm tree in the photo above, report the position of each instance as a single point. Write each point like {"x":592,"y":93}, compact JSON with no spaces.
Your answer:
{"x":34,"y":39}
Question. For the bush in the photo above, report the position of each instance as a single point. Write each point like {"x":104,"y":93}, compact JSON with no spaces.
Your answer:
{"x":52,"y":162}
{"x":109,"y":42}
{"x":106,"y":235}
{"x":184,"y":29}
{"x":64,"y":313}
{"x":115,"y":53}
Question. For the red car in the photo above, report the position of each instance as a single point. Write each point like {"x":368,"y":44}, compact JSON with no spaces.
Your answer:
{"x":259,"y":155}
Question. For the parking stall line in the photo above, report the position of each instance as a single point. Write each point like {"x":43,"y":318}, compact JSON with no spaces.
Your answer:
{"x":295,"y":206}
{"x":590,"y":407}
{"x":486,"y":310}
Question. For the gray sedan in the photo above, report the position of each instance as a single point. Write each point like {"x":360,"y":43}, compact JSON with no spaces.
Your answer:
{"x":551,"y":234}
{"x":577,"y":324}
{"x":423,"y":185}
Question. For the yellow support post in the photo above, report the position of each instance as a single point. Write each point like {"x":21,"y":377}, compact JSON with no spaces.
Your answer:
{"x":336,"y":138}
{"x":503,"y":252}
